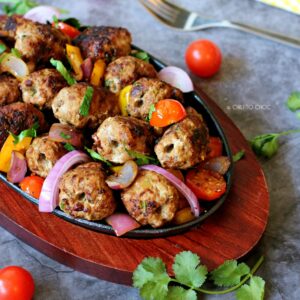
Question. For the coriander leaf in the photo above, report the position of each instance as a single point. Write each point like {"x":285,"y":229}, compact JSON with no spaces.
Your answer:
{"x":31,"y":132}
{"x":2,"y":48}
{"x":55,"y":21}
{"x":157,"y":289}
{"x":229,"y":273}
{"x":239,"y":155}
{"x":20,"y":7}
{"x":179,"y":293}
{"x":188,"y":270}
{"x":69,"y":147}
{"x":254,"y":291}
{"x":151,"y":111}
{"x":15,"y":52}
{"x":86,"y":103}
{"x":142,"y":159}
{"x":73,"y":22}
{"x":63,"y":71}
{"x":293,"y":102}
{"x":65,"y":136}
{"x":266,"y":144}
{"x":141,"y":55}
{"x":97,"y":156}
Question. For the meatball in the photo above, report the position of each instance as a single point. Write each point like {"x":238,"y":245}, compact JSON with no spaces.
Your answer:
{"x":9,"y":89}
{"x":118,"y":135}
{"x":83,"y":193}
{"x":148,"y":91}
{"x":19,"y":116}
{"x":40,"y":87}
{"x":66,"y":106}
{"x":42,"y":155}
{"x":125,"y":70}
{"x":102,"y":42}
{"x":8,"y":25}
{"x":151,"y":199}
{"x":184,"y":144}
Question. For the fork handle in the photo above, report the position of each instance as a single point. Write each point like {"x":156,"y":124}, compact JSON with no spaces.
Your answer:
{"x":289,"y":41}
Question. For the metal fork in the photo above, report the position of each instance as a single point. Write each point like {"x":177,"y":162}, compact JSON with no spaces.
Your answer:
{"x":180,"y":18}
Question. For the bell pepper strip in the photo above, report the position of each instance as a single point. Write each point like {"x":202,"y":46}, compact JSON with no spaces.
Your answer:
{"x":124,"y":98}
{"x":98,"y":72}
{"x":75,"y":59}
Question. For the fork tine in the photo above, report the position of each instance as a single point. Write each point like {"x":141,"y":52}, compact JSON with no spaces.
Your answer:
{"x":157,"y":11}
{"x":165,"y":6}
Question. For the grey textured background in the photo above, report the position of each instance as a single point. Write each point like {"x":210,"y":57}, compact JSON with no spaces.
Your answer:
{"x":254,"y":71}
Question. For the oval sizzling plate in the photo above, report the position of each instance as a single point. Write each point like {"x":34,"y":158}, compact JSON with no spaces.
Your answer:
{"x":194,"y":100}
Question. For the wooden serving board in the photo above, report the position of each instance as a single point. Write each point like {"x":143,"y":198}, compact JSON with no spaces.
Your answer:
{"x":229,"y":233}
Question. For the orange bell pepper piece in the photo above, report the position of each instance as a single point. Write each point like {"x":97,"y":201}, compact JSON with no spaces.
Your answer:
{"x":75,"y":59}
{"x":124,"y":98}
{"x":98,"y":72}
{"x":183,"y":216}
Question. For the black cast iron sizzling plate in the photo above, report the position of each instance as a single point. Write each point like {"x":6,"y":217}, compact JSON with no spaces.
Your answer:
{"x":215,"y":129}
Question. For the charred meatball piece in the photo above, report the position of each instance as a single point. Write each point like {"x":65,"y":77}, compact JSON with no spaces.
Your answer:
{"x":42,"y":155}
{"x":148,"y":91}
{"x":104,"y":42}
{"x":83,"y":193}
{"x":184,"y":144}
{"x":40,"y":87}
{"x":66,"y":106}
{"x":125,"y":70}
{"x":151,"y":199}
{"x":19,"y":116}
{"x":117,"y":135}
{"x":8,"y":25}
{"x":9,"y":90}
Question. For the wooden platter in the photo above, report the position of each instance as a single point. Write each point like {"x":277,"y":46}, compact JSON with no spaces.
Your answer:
{"x":229,"y":233}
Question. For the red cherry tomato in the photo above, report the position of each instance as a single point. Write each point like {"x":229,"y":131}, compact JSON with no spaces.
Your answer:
{"x":215,"y":147}
{"x":16,"y":283}
{"x":32,"y":185}
{"x":167,"y":112}
{"x":67,"y":29}
{"x":207,"y":185}
{"x":203,"y":58}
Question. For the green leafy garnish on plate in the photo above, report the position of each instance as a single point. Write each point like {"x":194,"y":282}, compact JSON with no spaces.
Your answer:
{"x":151,"y":111}
{"x":142,"y":159}
{"x":69,"y":147}
{"x":86,"y":103}
{"x":293,"y":102}
{"x":31,"y":132}
{"x":65,"y":136}
{"x":239,"y":155}
{"x":63,"y":71}
{"x":141,"y":55}
{"x":2,"y":48}
{"x":95,"y":155}
{"x":19,"y":7}
{"x":72,"y":21}
{"x":16,"y":52}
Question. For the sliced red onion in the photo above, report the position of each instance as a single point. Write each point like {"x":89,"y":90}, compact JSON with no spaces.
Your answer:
{"x":122,"y":223}
{"x":177,"y":78}
{"x":87,"y":68}
{"x":218,"y":164}
{"x":18,"y":167}
{"x":42,"y":14}
{"x":49,"y":195}
{"x":183,"y":189}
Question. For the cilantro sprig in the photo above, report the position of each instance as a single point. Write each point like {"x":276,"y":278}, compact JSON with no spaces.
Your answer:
{"x":19,"y":7}
{"x":63,"y":71}
{"x":2,"y":48}
{"x":293,"y":102}
{"x":141,"y":55}
{"x":151,"y":111}
{"x":142,"y":159}
{"x":153,"y":280}
{"x":86,"y":103}
{"x":239,"y":155}
{"x":31,"y":132}
{"x":95,"y":155}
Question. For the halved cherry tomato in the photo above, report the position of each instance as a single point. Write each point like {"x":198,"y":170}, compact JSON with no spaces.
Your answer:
{"x":32,"y":185}
{"x":67,"y":29}
{"x":167,"y":112}
{"x":207,"y":185}
{"x":215,"y":147}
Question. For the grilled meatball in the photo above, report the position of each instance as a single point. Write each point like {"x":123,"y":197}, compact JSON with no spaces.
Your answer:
{"x":9,"y":89}
{"x":9,"y":24}
{"x":42,"y":155}
{"x":148,"y":91}
{"x":125,"y":70}
{"x":66,"y":106}
{"x":102,"y":42}
{"x":117,"y":135}
{"x":83,"y":193}
{"x":151,"y":199}
{"x":184,"y":144}
{"x":19,"y":116}
{"x":40,"y":87}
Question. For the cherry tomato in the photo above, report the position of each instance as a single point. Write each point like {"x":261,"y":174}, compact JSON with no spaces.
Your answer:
{"x":16,"y":283}
{"x":67,"y":29}
{"x":215,"y":147}
{"x":32,"y":185}
{"x":203,"y":58}
{"x":167,"y":112}
{"x":207,"y":185}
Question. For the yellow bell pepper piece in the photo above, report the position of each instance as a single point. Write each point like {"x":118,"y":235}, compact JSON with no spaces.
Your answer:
{"x":98,"y":72}
{"x":183,"y":216}
{"x":75,"y":59}
{"x":116,"y":169}
{"x":7,"y":149}
{"x":124,"y":98}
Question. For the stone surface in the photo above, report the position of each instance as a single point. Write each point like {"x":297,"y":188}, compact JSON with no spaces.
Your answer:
{"x":254,"y":72}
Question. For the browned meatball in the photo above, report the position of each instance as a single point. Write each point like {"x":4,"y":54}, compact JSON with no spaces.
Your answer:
{"x":83,"y":193}
{"x":125,"y":70}
{"x":42,"y":155}
{"x":148,"y":91}
{"x":151,"y":199}
{"x":117,"y":135}
{"x":66,"y":106}
{"x":19,"y":116}
{"x":40,"y":87}
{"x":184,"y":144}
{"x":104,"y":42}
{"x":8,"y":25}
{"x":9,"y":90}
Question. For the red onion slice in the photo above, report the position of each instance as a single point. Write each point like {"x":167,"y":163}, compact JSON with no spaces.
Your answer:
{"x":218,"y":164}
{"x":122,"y":223}
{"x":49,"y":195}
{"x":18,"y":167}
{"x":14,"y":65}
{"x":183,"y":189}
{"x":87,"y":68}
{"x":42,"y":14}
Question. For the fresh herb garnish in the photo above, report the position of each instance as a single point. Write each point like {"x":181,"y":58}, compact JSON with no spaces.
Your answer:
{"x":73,"y":22}
{"x":16,"y":52}
{"x":31,"y":132}
{"x":142,"y":159}
{"x":293,"y":102}
{"x":19,"y":7}
{"x":151,"y":111}
{"x":2,"y":48}
{"x":63,"y":71}
{"x":86,"y":103}
{"x":239,"y":155}
{"x":65,"y":136}
{"x":153,"y":280}
{"x":141,"y":55}
{"x":55,"y":21}
{"x":69,"y":147}
{"x":95,"y":155}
